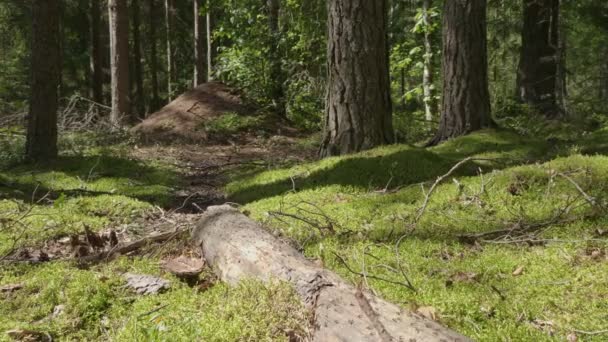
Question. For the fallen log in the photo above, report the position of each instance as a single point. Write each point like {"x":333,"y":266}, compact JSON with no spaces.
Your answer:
{"x":239,"y":248}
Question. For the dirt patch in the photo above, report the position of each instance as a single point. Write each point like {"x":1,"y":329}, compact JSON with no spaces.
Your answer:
{"x":183,"y":119}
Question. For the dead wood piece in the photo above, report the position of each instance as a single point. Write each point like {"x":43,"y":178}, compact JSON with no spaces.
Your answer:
{"x":184,"y":267}
{"x":146,"y":284}
{"x":239,"y":248}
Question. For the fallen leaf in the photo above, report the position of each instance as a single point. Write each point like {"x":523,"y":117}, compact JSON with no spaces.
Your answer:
{"x":146,"y":284}
{"x":184,"y":267}
{"x":571,"y":337}
{"x":10,"y":288}
{"x":464,"y":277}
{"x":24,"y":335}
{"x":427,"y":312}
{"x":518,"y":271}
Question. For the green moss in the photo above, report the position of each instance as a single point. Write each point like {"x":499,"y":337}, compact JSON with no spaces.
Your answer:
{"x":560,"y":283}
{"x":232,"y":123}
{"x":97,"y":306}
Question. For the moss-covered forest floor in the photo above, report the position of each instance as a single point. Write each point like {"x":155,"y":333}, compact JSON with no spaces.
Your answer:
{"x":511,"y":245}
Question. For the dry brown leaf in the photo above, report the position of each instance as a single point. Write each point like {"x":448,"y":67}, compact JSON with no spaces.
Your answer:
{"x":464,"y":277}
{"x":427,"y":312}
{"x":10,"y":288}
{"x":518,"y":271}
{"x":24,"y":335}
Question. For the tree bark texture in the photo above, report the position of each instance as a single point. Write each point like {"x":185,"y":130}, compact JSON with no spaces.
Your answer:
{"x":96,"y":57}
{"x":210,"y":52}
{"x":155,"y":103}
{"x":169,"y":16}
{"x":538,"y":64}
{"x":41,"y":144}
{"x":119,"y":59}
{"x":238,"y":248}
{"x":277,"y":92}
{"x":137,"y":62}
{"x":466,"y":99}
{"x":199,"y":46}
{"x":427,"y":73}
{"x":359,"y":112}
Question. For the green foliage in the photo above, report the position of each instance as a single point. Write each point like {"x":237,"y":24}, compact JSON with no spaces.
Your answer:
{"x":232,"y":123}
{"x":96,"y":306}
{"x":471,"y":286}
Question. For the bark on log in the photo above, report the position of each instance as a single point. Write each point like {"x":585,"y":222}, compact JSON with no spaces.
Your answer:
{"x":238,"y":248}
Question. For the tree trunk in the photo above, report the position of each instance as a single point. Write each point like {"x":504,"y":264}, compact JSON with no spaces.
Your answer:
{"x":96,"y":58}
{"x":199,"y":46}
{"x":538,"y":64}
{"x":466,"y":99}
{"x":358,"y":114}
{"x":238,"y":248}
{"x":137,"y":66}
{"x":427,"y":74}
{"x":119,"y":60}
{"x":209,"y":30}
{"x":277,"y":93}
{"x":169,"y":13}
{"x":155,"y":104}
{"x":41,"y":144}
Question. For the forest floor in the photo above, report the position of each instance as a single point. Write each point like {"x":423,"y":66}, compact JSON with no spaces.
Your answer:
{"x":510,"y":245}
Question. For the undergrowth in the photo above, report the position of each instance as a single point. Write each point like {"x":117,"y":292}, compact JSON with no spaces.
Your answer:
{"x":542,"y":277}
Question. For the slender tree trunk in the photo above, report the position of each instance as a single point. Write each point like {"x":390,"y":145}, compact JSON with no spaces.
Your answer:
{"x":41,"y":144}
{"x":277,"y":92}
{"x":466,"y":99}
{"x":169,"y":13}
{"x":538,"y":64}
{"x":119,"y":60}
{"x":155,"y":104}
{"x":96,"y":53}
{"x":137,"y":65}
{"x":359,"y":113}
{"x":199,"y":46}
{"x":210,"y":54}
{"x":427,"y":74}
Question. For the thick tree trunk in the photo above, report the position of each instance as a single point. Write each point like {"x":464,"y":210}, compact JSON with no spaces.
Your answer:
{"x":210,"y":54}
{"x":119,"y":59}
{"x":427,"y":74}
{"x":96,"y":57}
{"x":199,"y":46}
{"x":538,"y":64}
{"x":169,"y":15}
{"x":466,"y":99}
{"x":358,"y":114}
{"x":137,"y":65}
{"x":238,"y":248}
{"x":155,"y":103}
{"x":276,"y":71}
{"x":41,"y":144}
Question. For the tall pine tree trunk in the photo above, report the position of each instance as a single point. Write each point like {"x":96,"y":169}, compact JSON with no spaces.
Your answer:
{"x":466,"y":99}
{"x":427,"y":74}
{"x":137,"y":65}
{"x":276,"y":71}
{"x":538,"y":64}
{"x":119,"y":59}
{"x":96,"y":58}
{"x":155,"y":103}
{"x":358,"y":114}
{"x":169,"y":14}
{"x":199,"y":46}
{"x":210,"y":54}
{"x":41,"y":144}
